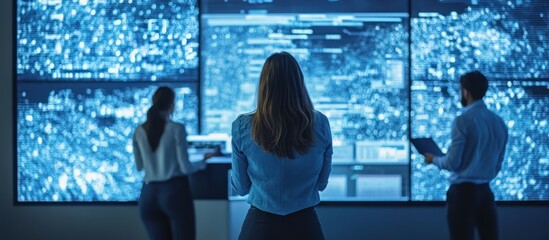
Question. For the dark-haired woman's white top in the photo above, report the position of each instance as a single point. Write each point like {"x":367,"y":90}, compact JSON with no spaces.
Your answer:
{"x":280,"y":185}
{"x":170,"y":159}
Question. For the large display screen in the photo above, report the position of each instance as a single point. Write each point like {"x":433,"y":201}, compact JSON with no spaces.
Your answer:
{"x":381,"y":71}
{"x":74,"y":140}
{"x":354,"y":57}
{"x":509,"y":42}
{"x":86,"y":72}
{"x":107,"y":40}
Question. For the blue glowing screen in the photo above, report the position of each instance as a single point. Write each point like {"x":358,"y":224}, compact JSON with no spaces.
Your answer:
{"x":74,"y":141}
{"x":86,"y":71}
{"x":355,"y":65}
{"x":107,"y":40}
{"x":354,"y":57}
{"x":509,"y":42}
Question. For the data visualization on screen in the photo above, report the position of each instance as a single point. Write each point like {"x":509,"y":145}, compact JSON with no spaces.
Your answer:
{"x":354,"y":57}
{"x":381,"y":71}
{"x":86,"y":72}
{"x":108,"y":40}
{"x":509,"y":42}
{"x":74,"y":142}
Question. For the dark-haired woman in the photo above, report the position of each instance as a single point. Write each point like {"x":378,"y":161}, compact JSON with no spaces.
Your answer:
{"x":160,"y":149}
{"x":282,"y":154}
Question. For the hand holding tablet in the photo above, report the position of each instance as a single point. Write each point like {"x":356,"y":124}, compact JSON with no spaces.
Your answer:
{"x":426,"y":145}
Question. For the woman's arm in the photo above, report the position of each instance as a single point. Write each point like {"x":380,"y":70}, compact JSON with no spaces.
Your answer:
{"x":240,"y":181}
{"x":182,"y":153}
{"x":327,"y":161}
